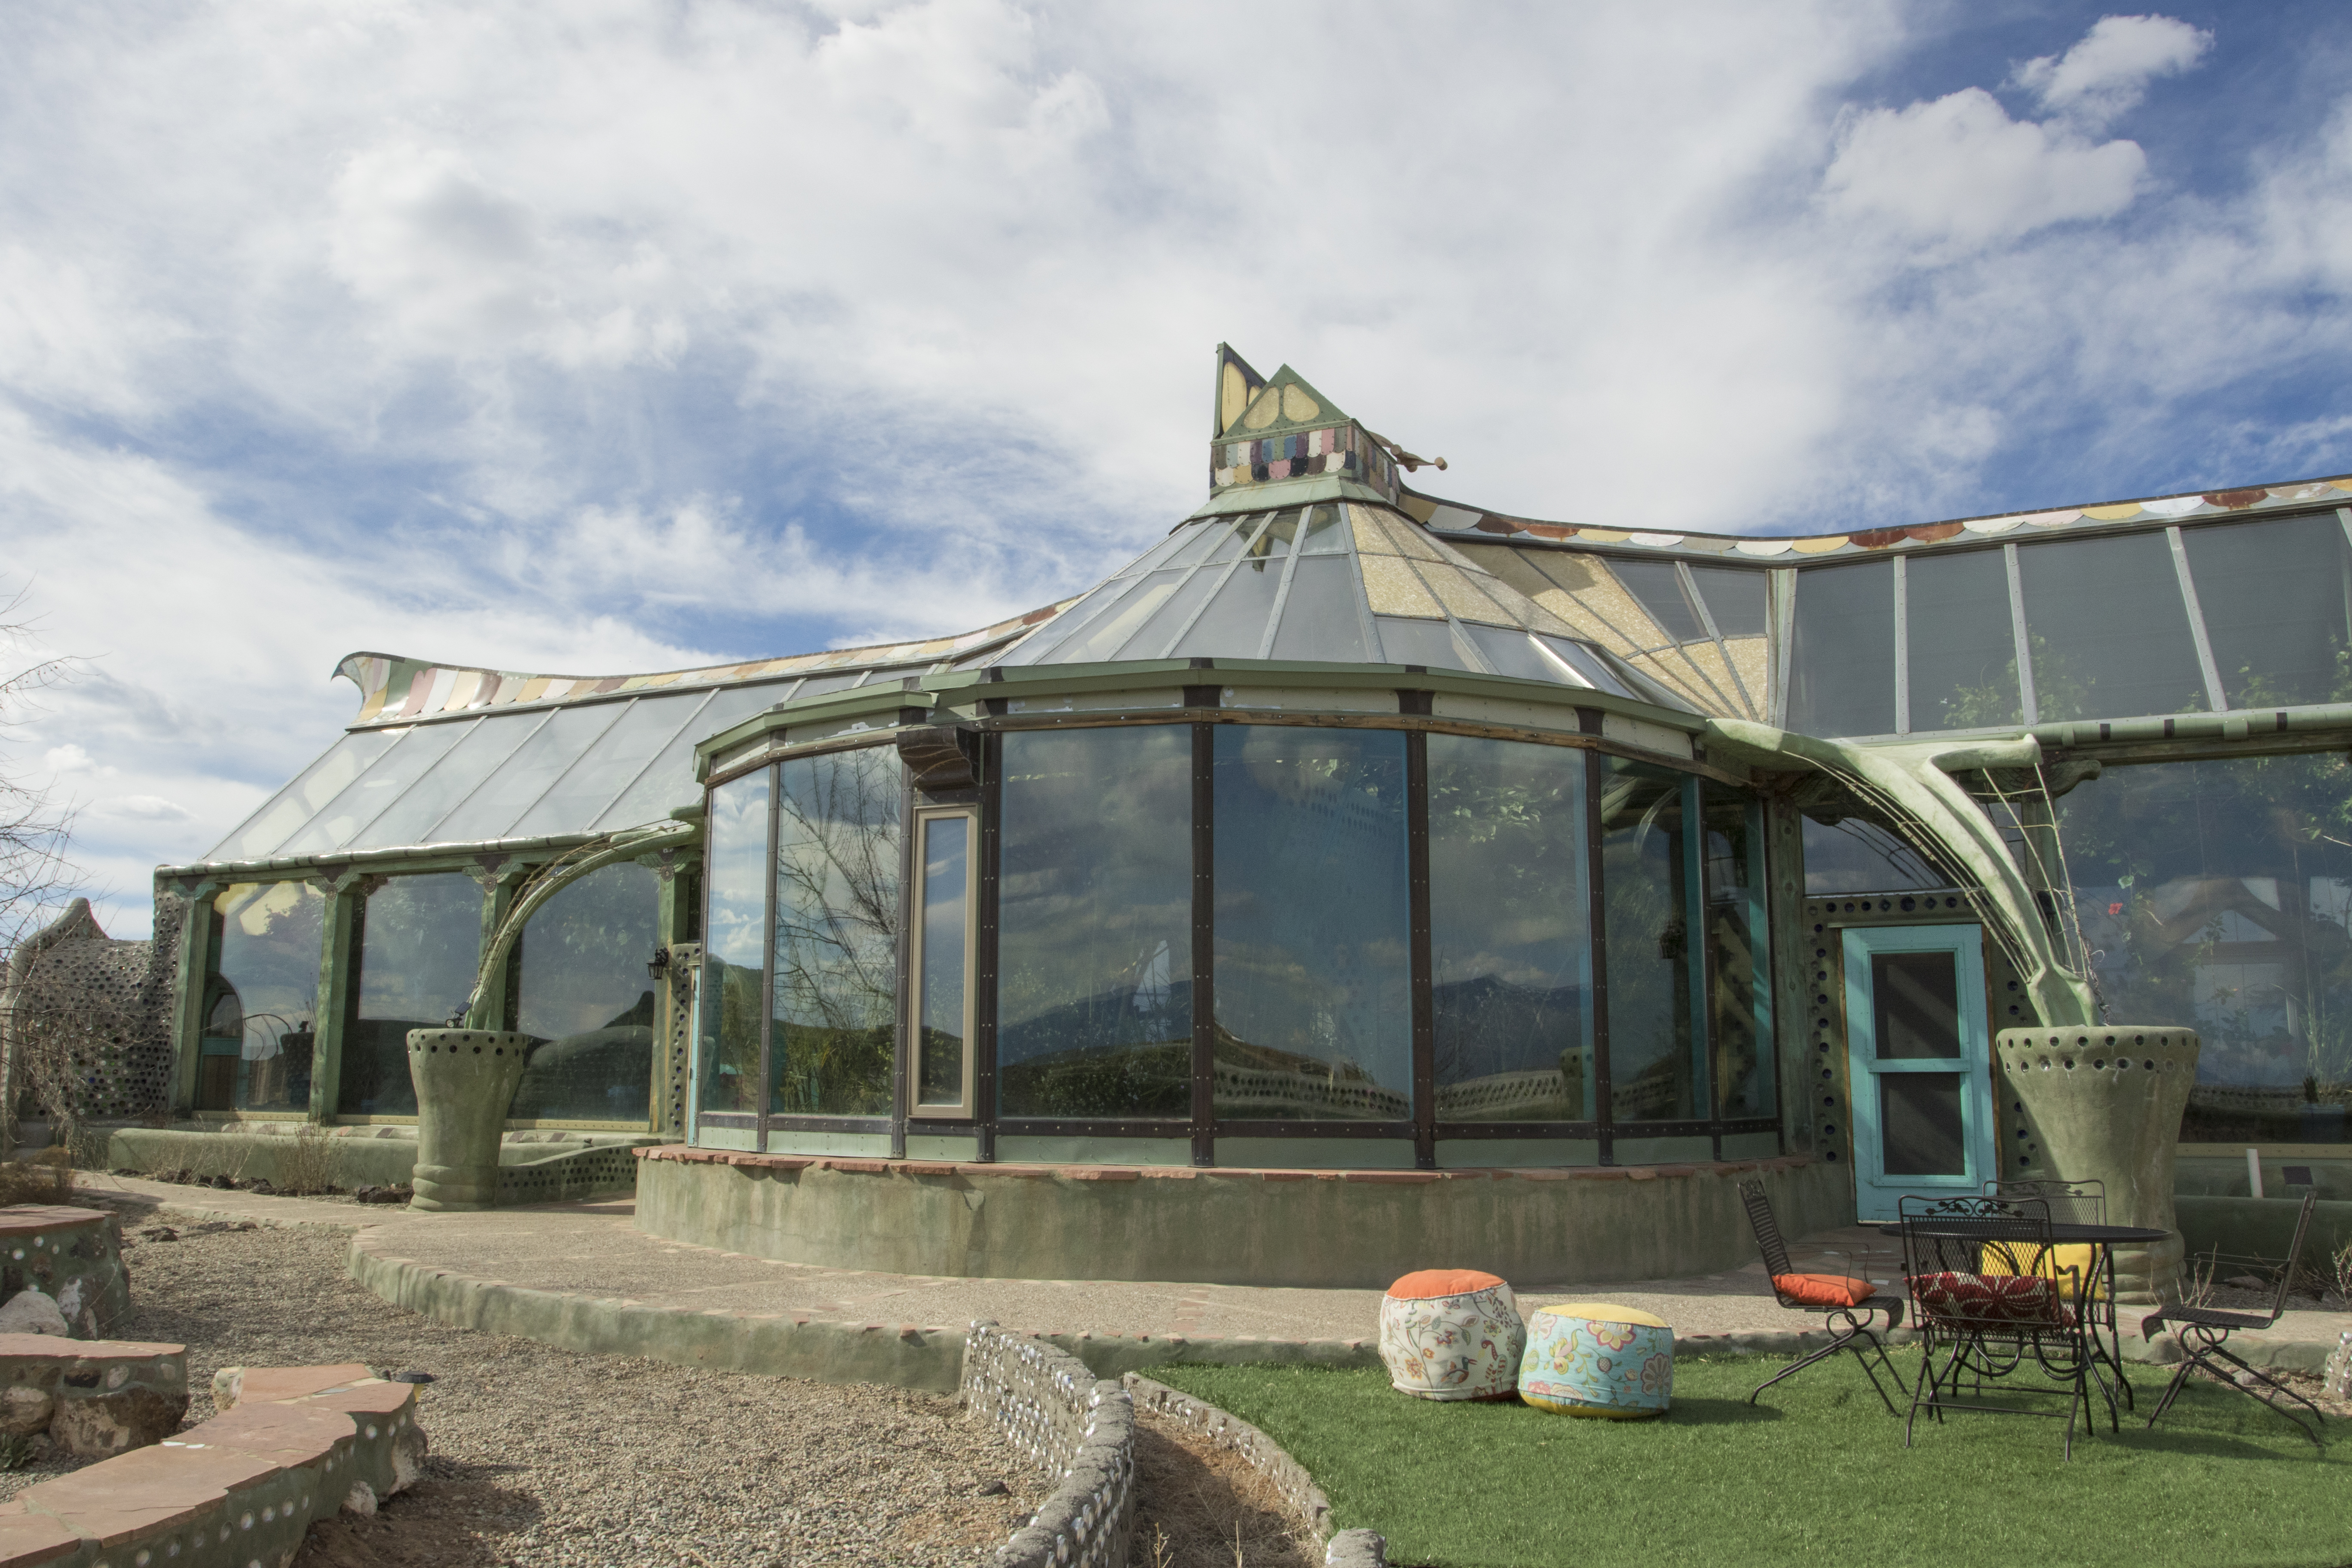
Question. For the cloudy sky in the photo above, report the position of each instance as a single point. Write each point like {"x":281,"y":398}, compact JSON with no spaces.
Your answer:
{"x":609,"y":336}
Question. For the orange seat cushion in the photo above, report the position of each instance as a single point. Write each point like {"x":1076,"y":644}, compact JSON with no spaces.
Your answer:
{"x":1825,"y":1290}
{"x":1429,"y":1283}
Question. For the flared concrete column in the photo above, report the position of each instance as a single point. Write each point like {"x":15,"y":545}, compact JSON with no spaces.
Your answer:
{"x":2104,"y":1104}
{"x":465,"y":1080}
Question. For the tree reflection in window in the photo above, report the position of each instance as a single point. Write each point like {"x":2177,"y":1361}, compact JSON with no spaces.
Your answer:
{"x":838,"y":849}
{"x":582,"y":990}
{"x":1645,"y":881}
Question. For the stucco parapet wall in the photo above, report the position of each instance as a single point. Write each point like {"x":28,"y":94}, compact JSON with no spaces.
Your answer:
{"x":241,"y":1488}
{"x":1224,"y":1225}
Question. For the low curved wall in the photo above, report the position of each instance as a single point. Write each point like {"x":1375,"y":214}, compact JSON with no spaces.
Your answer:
{"x":1357,"y":1229}
{"x":1078,"y":1428}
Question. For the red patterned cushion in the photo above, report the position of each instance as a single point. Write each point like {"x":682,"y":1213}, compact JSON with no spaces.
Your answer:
{"x":1825,"y":1290}
{"x":2022,"y":1299}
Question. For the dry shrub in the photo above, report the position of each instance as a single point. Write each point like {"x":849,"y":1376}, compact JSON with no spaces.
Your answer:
{"x":1200,"y":1506}
{"x":45,"y":1176}
{"x":308,"y":1162}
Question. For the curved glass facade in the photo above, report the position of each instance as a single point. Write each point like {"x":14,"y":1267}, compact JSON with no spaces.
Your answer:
{"x":1238,"y":938}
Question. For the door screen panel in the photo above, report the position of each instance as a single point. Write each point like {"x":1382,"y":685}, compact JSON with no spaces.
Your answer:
{"x":1915,"y":1004}
{"x":1919,"y":1124}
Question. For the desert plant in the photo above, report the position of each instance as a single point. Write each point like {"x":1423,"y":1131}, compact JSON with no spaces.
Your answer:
{"x":308,"y":1161}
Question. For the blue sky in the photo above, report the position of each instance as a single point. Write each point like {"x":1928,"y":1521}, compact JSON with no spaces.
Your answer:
{"x":618,"y":336}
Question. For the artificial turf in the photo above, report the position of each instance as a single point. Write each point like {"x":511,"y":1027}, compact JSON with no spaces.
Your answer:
{"x":1814,"y":1476}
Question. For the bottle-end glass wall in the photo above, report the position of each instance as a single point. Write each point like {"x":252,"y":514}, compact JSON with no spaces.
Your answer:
{"x":1239,"y":943}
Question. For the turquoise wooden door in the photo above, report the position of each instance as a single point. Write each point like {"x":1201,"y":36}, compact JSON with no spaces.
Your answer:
{"x":1921,"y":1063}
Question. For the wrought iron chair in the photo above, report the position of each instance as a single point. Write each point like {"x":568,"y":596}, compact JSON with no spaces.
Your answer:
{"x":2202,"y":1330}
{"x":2079,"y":1202}
{"x":1988,"y":1323}
{"x":1847,"y":1304}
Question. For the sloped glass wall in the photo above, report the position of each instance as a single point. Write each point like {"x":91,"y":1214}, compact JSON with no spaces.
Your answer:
{"x":420,"y":945}
{"x":581,"y":991}
{"x":261,"y":998}
{"x":2219,"y":894}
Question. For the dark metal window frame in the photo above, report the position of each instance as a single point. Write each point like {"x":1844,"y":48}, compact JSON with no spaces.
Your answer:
{"x":1203,"y":1127}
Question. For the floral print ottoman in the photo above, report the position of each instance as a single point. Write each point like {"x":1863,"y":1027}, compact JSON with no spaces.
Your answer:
{"x":1585,"y":1358}
{"x":1451,"y":1334}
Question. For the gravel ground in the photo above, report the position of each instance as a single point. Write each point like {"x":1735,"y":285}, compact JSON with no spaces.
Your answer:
{"x":543,"y":1458}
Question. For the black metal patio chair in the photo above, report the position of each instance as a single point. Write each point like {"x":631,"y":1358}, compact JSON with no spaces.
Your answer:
{"x":1847,"y":1304}
{"x":2078,"y":1203}
{"x":2202,"y":1330}
{"x":1986,"y":1295}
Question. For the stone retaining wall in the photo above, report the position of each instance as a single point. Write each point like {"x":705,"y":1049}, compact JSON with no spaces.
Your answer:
{"x":74,"y":1257}
{"x":1343,"y":1549}
{"x":1072,"y":1426}
{"x":93,"y":1397}
{"x":243,"y":1488}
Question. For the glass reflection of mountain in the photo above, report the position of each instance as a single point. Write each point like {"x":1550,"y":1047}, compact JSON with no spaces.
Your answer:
{"x":1058,"y":1064}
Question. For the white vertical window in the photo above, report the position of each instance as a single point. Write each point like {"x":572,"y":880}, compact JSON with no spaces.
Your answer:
{"x":945,"y":850}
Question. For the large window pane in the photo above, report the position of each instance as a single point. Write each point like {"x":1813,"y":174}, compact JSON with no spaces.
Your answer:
{"x":1962,"y":643}
{"x":420,"y":945}
{"x":581,"y":988}
{"x":2277,"y":599}
{"x":1510,"y":917}
{"x":2217,"y":896}
{"x":1740,"y":1034}
{"x":1094,"y":991}
{"x":492,"y":809}
{"x":838,"y":845}
{"x":1313,"y":1018}
{"x":1645,"y":876}
{"x":1855,"y":855}
{"x":2109,"y":635}
{"x":261,"y":997}
{"x":942,"y":1010}
{"x":1841,"y":651}
{"x":734,"y":945}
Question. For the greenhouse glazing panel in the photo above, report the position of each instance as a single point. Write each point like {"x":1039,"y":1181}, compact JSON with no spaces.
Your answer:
{"x":1738,"y":600}
{"x":1320,"y":620}
{"x":1510,"y":931}
{"x":1658,"y":588}
{"x":667,"y":781}
{"x":1654,"y":1070}
{"x":261,"y":997}
{"x":1841,"y":651}
{"x":1233,"y":624}
{"x":2109,"y":635}
{"x":1962,"y":642}
{"x":490,"y":811}
{"x":410,"y":819}
{"x":839,"y":843}
{"x":420,"y":946}
{"x":1174,"y":612}
{"x":583,"y":992}
{"x":1102,"y":635}
{"x":587,"y":789}
{"x":1739,"y":968}
{"x":373,"y":792}
{"x":735,"y":946}
{"x":1429,"y":644}
{"x":1094,"y":991}
{"x":260,"y":836}
{"x":2218,"y":895}
{"x":1311,"y":974}
{"x":2277,"y":600}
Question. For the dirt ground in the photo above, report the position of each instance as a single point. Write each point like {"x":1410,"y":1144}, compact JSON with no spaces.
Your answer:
{"x":549,"y":1458}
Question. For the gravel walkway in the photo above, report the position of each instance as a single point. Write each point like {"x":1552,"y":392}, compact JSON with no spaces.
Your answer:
{"x":544,"y":1457}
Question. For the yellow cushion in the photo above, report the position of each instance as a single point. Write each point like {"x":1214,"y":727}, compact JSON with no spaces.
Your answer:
{"x":1604,"y":1312}
{"x":2053,"y":1264}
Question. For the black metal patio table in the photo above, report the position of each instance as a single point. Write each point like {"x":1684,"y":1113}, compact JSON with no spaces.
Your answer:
{"x":2102,"y":1239}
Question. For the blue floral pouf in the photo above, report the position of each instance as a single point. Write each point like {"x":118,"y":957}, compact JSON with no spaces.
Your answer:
{"x":1586,"y":1358}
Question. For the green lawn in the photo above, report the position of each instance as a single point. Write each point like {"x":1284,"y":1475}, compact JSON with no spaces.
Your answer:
{"x":1817,"y":1476}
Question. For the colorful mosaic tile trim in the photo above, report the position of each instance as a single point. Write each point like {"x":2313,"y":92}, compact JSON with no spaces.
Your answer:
{"x":392,"y":689}
{"x":1448,"y":517}
{"x":1336,"y":449}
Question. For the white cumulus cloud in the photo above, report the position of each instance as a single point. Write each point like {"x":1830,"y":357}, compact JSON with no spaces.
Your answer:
{"x":2107,"y":72}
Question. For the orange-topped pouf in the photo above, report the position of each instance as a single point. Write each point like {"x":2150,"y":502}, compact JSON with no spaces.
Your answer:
{"x":1451,"y":1334}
